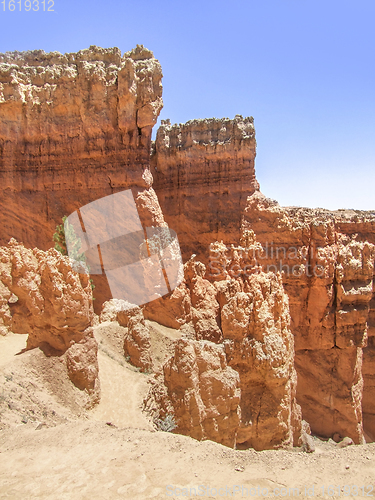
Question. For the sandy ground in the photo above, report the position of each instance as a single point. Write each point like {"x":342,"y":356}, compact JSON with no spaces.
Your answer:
{"x":91,"y":460}
{"x":80,"y":456}
{"x":10,"y":346}
{"x":122,"y":390}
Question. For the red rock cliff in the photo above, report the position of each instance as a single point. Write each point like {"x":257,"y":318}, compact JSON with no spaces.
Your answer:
{"x":74,"y":128}
{"x":327,"y":262}
{"x":203,"y":172}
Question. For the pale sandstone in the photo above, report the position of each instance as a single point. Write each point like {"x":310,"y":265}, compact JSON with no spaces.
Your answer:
{"x":82,"y":364}
{"x":43,"y":297}
{"x":116,"y":310}
{"x":137,"y":340}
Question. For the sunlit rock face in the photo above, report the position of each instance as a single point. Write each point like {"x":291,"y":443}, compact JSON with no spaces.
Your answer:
{"x":327,"y":263}
{"x":74,"y":128}
{"x":203,"y":172}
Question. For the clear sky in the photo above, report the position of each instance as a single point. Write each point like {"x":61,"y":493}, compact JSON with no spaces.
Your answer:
{"x":305,"y":69}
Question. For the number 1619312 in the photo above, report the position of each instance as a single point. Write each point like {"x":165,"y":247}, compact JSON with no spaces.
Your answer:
{"x":28,"y":5}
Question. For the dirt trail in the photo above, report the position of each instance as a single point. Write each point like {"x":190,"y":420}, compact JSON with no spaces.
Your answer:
{"x":122,"y":392}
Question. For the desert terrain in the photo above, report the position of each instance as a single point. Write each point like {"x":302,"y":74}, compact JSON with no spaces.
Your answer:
{"x":114,"y":450}
{"x":249,"y":371}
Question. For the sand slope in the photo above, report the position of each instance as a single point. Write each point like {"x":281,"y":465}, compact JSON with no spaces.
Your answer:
{"x":77,"y":455}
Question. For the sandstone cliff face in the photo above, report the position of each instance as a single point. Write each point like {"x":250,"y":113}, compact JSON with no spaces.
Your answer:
{"x":203,"y":172}
{"x":327,"y":262}
{"x":232,"y":376}
{"x":74,"y":128}
{"x":41,"y":296}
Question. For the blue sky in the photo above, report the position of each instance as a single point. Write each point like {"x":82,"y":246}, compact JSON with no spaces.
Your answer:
{"x":305,"y":69}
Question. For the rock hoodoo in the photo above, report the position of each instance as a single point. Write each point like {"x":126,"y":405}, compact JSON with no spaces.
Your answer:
{"x":43,"y":297}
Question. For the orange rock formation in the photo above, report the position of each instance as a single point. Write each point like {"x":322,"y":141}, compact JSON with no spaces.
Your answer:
{"x":232,"y":377}
{"x":278,"y":291}
{"x":203,"y":173}
{"x":74,"y":128}
{"x":43,"y":297}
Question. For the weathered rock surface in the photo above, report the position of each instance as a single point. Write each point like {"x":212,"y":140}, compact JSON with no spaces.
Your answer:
{"x":74,"y":128}
{"x":244,"y":326}
{"x":46,"y":299}
{"x":326,"y":260}
{"x":43,"y":297}
{"x":193,"y":302}
{"x":137,"y":341}
{"x":117,"y":310}
{"x":203,"y":172}
{"x":82,"y":364}
{"x":173,"y":310}
{"x":260,"y":347}
{"x":203,"y":392}
{"x":327,"y":263}
{"x":307,"y":441}
{"x":368,"y":401}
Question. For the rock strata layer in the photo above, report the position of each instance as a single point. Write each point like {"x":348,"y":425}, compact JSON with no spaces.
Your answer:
{"x":203,"y":172}
{"x":74,"y":128}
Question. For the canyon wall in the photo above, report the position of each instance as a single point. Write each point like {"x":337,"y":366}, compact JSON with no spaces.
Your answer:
{"x":327,"y":263}
{"x":74,"y":128}
{"x":203,"y":172}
